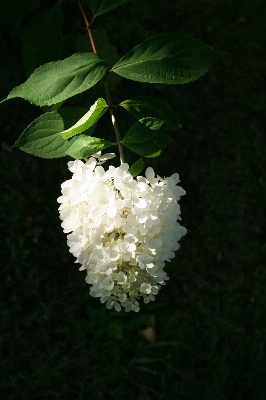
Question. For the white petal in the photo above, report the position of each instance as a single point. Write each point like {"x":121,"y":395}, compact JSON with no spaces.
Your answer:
{"x":182,"y":230}
{"x":140,"y":203}
{"x":149,"y":174}
{"x":111,"y":212}
{"x":117,"y":307}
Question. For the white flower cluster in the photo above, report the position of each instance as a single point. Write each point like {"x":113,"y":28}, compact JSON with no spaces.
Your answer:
{"x":121,"y":229}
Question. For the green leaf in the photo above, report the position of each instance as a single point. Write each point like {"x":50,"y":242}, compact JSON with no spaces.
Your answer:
{"x":57,"y":81}
{"x":99,"y":7}
{"x":147,"y":106}
{"x":90,"y":118}
{"x":86,"y":146}
{"x":104,"y":49}
{"x":42,"y":137}
{"x":14,"y":11}
{"x":137,"y":167}
{"x":150,"y":148}
{"x":142,"y":130}
{"x":169,"y":58}
{"x":45,"y":27}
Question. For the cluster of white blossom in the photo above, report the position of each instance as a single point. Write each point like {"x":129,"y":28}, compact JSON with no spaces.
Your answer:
{"x":121,"y":229}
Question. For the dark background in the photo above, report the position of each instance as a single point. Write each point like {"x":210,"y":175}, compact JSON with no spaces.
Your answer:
{"x":204,"y":337}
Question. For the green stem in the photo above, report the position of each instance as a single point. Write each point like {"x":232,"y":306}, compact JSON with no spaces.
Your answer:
{"x":114,"y":122}
{"x":106,"y":88}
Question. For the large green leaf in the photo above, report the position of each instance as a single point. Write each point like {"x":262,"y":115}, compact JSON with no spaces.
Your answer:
{"x":142,"y":130}
{"x":86,"y":146}
{"x":137,"y":167}
{"x":169,"y":58}
{"x":57,"y":81}
{"x":99,"y":7}
{"x":90,"y":118}
{"x":104,"y":49}
{"x":42,"y":137}
{"x":45,"y":27}
{"x":150,"y":148}
{"x":147,"y":106}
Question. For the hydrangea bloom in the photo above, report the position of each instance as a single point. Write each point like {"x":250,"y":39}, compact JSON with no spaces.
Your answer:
{"x":121,"y":229}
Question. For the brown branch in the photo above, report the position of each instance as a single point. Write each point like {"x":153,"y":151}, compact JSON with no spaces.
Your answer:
{"x":108,"y":95}
{"x":88,"y":26}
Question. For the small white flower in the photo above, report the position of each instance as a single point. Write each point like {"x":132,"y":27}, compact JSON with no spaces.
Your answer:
{"x":145,"y":288}
{"x":121,"y":229}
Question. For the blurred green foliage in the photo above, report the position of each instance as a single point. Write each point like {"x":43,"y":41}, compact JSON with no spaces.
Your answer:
{"x":59,"y":343}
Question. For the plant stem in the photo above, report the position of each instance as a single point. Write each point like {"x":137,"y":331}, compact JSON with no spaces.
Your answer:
{"x":88,"y":26}
{"x":106,"y":88}
{"x":111,"y":110}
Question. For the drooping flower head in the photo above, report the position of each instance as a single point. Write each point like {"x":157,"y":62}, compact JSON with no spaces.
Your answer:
{"x":121,"y":229}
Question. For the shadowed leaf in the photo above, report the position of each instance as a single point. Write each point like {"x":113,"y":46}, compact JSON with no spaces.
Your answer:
{"x":147,"y":106}
{"x":142,"y":130}
{"x":137,"y":167}
{"x":45,"y":27}
{"x":99,"y":7}
{"x":150,"y":148}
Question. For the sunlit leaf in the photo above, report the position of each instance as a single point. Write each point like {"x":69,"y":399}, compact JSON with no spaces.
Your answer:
{"x":42,"y":137}
{"x":59,"y":80}
{"x":104,"y":49}
{"x":90,"y":118}
{"x":86,"y":146}
{"x":169,"y":58}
